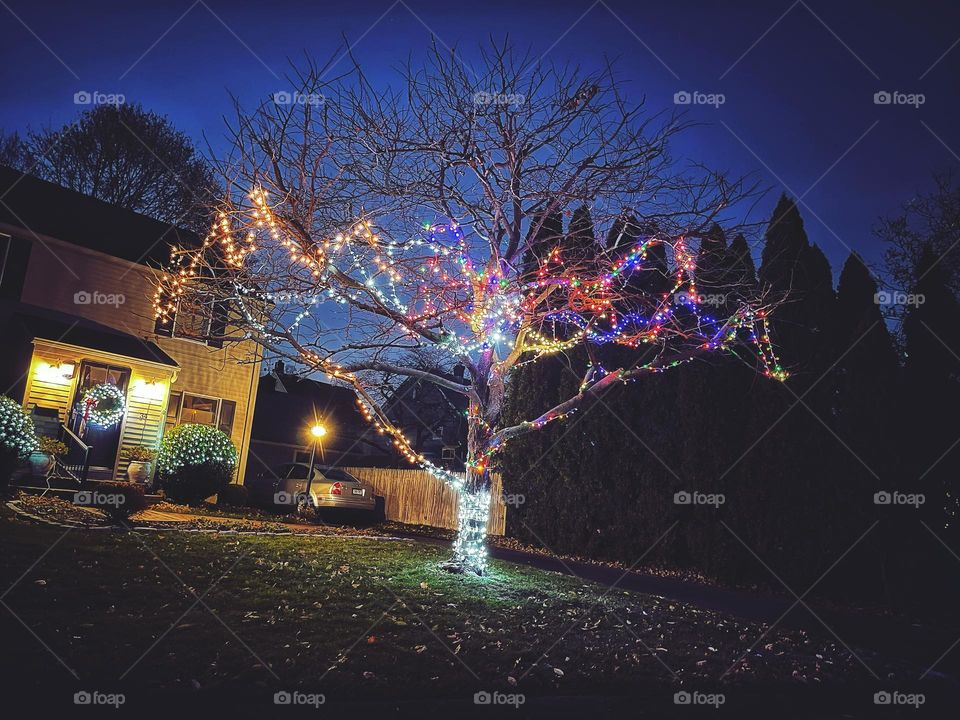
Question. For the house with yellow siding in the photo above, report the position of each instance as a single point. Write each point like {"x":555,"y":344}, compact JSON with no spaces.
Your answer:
{"x":76,"y":313}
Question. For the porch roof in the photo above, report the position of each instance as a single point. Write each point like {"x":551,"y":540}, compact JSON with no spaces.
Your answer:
{"x":54,"y":326}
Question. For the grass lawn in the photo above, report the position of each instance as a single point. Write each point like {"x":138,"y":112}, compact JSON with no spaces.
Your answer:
{"x":360,"y":618}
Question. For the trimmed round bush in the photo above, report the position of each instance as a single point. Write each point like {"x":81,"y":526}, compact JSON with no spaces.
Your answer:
{"x":117,"y":500}
{"x":195,"y":462}
{"x":232,"y":495}
{"x":17,"y":438}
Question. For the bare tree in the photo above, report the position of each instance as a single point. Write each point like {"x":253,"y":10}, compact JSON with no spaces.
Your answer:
{"x":123,"y":155}
{"x":930,"y":220}
{"x":364,"y":223}
{"x":14,"y":151}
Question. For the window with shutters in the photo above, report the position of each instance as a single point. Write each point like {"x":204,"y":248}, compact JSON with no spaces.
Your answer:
{"x":204,"y":322}
{"x":200,"y":409}
{"x":14,"y":255}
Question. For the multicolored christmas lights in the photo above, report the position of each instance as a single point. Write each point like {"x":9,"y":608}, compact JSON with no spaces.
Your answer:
{"x":445,"y":287}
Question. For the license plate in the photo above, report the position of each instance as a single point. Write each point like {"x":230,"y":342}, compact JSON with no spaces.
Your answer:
{"x":357,"y":492}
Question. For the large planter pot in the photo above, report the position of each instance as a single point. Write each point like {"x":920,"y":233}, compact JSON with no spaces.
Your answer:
{"x":139,"y":472}
{"x":40,"y":464}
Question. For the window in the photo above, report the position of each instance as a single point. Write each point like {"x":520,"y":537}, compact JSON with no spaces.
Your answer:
{"x":200,"y":409}
{"x":448,"y":453}
{"x":5,"y":246}
{"x":14,"y":255}
{"x":199,"y":321}
{"x":192,"y":320}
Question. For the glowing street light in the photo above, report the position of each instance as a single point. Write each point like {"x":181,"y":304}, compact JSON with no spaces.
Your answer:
{"x":317,"y":432}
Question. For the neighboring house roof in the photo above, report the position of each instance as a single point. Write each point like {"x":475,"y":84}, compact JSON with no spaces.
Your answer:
{"x":286,"y":404}
{"x":36,"y":322}
{"x":426,"y":403}
{"x":48,"y":209}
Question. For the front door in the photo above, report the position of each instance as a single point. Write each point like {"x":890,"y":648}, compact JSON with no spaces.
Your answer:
{"x":104,"y":440}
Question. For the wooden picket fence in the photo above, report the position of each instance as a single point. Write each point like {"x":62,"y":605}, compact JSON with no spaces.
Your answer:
{"x":417,"y":497}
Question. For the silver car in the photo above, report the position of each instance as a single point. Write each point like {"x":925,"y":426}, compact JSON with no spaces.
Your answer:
{"x":330,"y":488}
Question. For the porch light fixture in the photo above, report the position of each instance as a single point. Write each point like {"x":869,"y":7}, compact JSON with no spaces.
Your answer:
{"x":148,"y":389}
{"x":58,"y":373}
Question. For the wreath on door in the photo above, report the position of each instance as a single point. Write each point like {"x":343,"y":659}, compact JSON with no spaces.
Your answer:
{"x":103,"y":405}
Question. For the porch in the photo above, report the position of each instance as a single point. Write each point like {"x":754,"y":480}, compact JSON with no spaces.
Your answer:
{"x":97,"y":390}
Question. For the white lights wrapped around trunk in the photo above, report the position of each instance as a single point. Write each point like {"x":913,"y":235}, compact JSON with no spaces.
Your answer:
{"x":469,"y":549}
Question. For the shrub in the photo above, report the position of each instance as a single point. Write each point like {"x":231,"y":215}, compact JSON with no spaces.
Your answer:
{"x":138,"y":453}
{"x":17,"y":438}
{"x":52,"y":446}
{"x":117,"y":500}
{"x":195,"y":462}
{"x":232,"y":494}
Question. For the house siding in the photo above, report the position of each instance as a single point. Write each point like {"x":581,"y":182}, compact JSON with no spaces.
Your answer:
{"x":57,"y":272}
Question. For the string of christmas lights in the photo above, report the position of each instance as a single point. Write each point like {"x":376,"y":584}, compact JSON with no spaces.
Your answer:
{"x":433,"y":286}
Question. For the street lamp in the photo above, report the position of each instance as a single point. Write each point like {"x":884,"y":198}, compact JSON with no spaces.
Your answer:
{"x":317,"y":432}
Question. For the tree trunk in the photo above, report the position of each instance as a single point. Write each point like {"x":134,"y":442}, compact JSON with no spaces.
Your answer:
{"x":473,"y":511}
{"x":473,"y":503}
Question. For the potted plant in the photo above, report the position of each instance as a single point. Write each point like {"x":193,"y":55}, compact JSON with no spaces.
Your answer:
{"x":43,"y":458}
{"x":141,"y":459}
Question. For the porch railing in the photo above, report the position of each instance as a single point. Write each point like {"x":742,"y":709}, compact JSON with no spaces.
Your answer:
{"x":76,"y":463}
